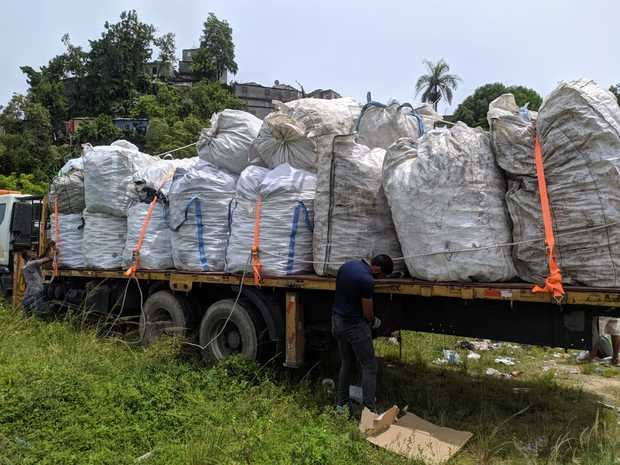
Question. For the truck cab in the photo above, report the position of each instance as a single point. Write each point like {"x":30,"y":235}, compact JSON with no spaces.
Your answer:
{"x":19,"y":229}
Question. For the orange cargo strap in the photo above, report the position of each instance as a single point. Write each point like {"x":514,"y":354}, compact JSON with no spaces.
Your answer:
{"x":257,"y":267}
{"x":55,"y":263}
{"x":135,"y":262}
{"x":553,"y":283}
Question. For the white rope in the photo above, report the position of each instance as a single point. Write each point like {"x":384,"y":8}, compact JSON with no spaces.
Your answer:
{"x":167,"y":152}
{"x":454,"y":251}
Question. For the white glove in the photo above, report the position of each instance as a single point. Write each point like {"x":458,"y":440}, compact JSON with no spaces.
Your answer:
{"x":376,"y":323}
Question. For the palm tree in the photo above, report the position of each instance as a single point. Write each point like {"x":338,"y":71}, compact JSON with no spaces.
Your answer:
{"x":438,"y":83}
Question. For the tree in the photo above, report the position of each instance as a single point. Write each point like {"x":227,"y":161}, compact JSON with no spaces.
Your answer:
{"x":210,"y":97}
{"x":100,"y":132}
{"x":217,"y":50}
{"x":438,"y":83}
{"x":473,"y":110}
{"x":116,"y":61}
{"x":616,"y":91}
{"x":167,"y":54}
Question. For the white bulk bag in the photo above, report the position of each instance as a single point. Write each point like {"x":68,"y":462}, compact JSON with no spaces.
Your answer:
{"x":579,"y":128}
{"x":381,"y":125}
{"x":446,"y":193}
{"x":155,"y":252}
{"x":352,"y":219}
{"x":104,"y":240}
{"x":67,"y":188}
{"x":302,"y":129}
{"x":156,"y":177}
{"x":226,"y":142}
{"x":68,"y":233}
{"x":108,"y":171}
{"x":281,"y":203}
{"x":199,"y":200}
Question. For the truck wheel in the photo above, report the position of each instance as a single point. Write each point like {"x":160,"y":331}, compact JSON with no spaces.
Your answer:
{"x":163,"y":313}
{"x":244,"y":334}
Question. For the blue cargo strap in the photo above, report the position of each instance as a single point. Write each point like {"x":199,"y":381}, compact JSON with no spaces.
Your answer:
{"x":200,"y":233}
{"x":291,"y":244}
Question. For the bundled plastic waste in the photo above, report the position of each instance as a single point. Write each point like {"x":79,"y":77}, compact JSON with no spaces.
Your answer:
{"x":352,"y":218}
{"x":156,"y":177}
{"x":155,"y":252}
{"x":302,"y":129}
{"x":104,"y":240}
{"x":69,"y":234}
{"x":381,"y":125}
{"x":199,"y":201}
{"x":108,"y":170}
{"x":579,"y":129}
{"x":272,"y":213}
{"x":67,"y":188}
{"x":226,"y":142}
{"x":447,"y":194}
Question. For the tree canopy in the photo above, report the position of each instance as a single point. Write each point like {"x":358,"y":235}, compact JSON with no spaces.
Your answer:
{"x":438,"y":83}
{"x":217,"y":50}
{"x":473,"y":110}
{"x":105,"y":80}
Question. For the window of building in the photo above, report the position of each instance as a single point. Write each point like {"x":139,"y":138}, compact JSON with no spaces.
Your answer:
{"x":244,"y":91}
{"x":267,"y":92}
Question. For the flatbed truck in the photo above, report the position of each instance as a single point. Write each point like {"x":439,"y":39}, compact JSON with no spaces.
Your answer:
{"x":291,"y":315}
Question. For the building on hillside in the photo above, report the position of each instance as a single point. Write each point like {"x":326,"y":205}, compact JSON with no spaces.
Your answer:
{"x":185,"y":75}
{"x":259,"y":99}
{"x":72,"y":126}
{"x":327,"y":94}
{"x":133,"y":125}
{"x":159,"y":69}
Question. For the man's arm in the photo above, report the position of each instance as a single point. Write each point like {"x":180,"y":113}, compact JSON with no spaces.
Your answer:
{"x":38,"y":262}
{"x":368,"y":309}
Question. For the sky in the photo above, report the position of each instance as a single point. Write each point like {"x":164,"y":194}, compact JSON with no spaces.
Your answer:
{"x":351,"y":46}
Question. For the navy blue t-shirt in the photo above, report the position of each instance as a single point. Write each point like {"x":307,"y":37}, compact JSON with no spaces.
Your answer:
{"x":354,"y":282}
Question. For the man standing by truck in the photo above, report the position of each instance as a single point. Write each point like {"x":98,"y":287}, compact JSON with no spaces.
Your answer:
{"x":34,"y":297}
{"x":353,"y":320}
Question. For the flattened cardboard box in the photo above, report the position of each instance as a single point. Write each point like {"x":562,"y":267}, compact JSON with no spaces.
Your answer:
{"x":412,"y":436}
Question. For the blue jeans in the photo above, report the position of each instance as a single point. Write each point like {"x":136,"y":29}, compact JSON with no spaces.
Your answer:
{"x":355,"y":342}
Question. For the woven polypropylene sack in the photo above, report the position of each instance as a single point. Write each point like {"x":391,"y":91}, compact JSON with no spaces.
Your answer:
{"x":69,"y":237}
{"x":446,"y":194}
{"x":155,"y":252}
{"x":352,"y":219}
{"x":284,"y":220}
{"x":303,"y":129}
{"x":104,"y":240}
{"x":156,"y":177}
{"x":108,"y":172}
{"x":67,"y":188}
{"x":226,"y":142}
{"x":579,"y":128}
{"x":381,"y":125}
{"x":199,"y":216}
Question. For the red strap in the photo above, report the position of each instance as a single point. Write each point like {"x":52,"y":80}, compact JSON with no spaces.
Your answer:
{"x":55,"y":264}
{"x":257,"y":267}
{"x":553,"y":283}
{"x":135,"y":264}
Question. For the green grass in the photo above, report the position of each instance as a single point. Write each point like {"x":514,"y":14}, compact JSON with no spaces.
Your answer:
{"x":68,"y":396}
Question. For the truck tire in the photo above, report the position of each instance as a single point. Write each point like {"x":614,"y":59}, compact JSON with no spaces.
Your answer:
{"x":245,"y":333}
{"x":163,"y":313}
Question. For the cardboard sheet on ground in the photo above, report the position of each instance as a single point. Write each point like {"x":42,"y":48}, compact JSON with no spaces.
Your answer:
{"x":412,"y":436}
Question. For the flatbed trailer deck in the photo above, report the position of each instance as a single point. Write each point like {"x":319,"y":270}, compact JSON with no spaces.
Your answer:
{"x":294,"y":311}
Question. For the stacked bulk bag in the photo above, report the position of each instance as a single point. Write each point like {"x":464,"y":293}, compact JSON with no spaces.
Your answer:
{"x":67,"y":188}
{"x":155,"y":252}
{"x":199,"y":201}
{"x":104,"y":240}
{"x":226,"y":142}
{"x":579,"y":129}
{"x":156,"y":177}
{"x":381,"y":125}
{"x":272,"y":211}
{"x":446,"y":193}
{"x":302,"y":129}
{"x":69,"y":229}
{"x":108,"y":171}
{"x":352,"y":218}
